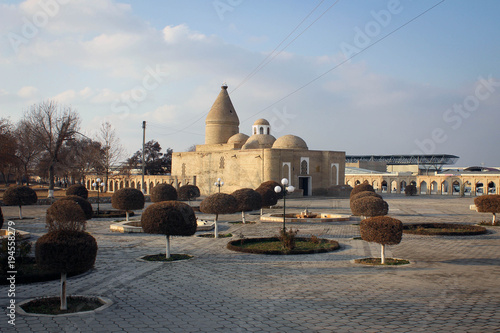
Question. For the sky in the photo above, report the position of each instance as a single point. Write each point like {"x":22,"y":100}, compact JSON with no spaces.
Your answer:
{"x":364,"y":77}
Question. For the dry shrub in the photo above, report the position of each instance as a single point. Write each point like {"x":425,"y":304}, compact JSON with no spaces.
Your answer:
{"x":19,"y":196}
{"x":79,"y":190}
{"x":248,"y":199}
{"x":65,"y":215}
{"x":287,"y":238}
{"x":219,"y":203}
{"x":383,"y":230}
{"x":163,"y":192}
{"x":128,"y":199}
{"x":188,"y":192}
{"x":171,"y":218}
{"x":488,"y":203}
{"x":410,"y":190}
{"x":268,"y":196}
{"x":369,"y":206}
{"x":361,"y":188}
{"x":66,"y":251}
{"x":272,"y":184}
{"x":84,"y":204}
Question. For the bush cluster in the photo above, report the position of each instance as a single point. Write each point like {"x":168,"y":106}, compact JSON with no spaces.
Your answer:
{"x":410,"y":190}
{"x":79,"y":190}
{"x":361,"y":188}
{"x":19,"y":196}
{"x":128,"y":199}
{"x":65,"y":215}
{"x":188,"y":192}
{"x":271,"y":184}
{"x":170,"y":218}
{"x":268,"y":196}
{"x":66,"y":251}
{"x":247,"y":199}
{"x":488,"y":203}
{"x":383,"y":230}
{"x":163,"y":192}
{"x":219,"y":203}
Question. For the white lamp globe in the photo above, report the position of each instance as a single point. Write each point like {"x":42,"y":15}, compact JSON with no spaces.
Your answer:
{"x":277,"y":189}
{"x":98,"y":180}
{"x":218,"y":179}
{"x":102,"y":184}
{"x":221,"y":183}
{"x":94,"y":184}
{"x":284,"y":181}
{"x":291,"y":189}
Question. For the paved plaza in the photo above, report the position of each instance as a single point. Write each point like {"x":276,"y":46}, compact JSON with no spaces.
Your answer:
{"x":452,"y":284}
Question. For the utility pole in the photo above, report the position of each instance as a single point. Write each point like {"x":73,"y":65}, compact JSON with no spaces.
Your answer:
{"x":143,"y":155}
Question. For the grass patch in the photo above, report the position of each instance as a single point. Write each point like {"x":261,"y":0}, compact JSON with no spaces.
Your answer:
{"x":273,"y":245}
{"x":443,"y":229}
{"x":488,"y":224}
{"x":51,"y":305}
{"x":213,"y":236}
{"x":376,"y":261}
{"x":161,"y":257}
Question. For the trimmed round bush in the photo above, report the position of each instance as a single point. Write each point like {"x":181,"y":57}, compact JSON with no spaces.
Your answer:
{"x":219,"y":203}
{"x":171,"y":218}
{"x":361,"y":188}
{"x":369,"y":206}
{"x":128,"y":199}
{"x":188,"y":192}
{"x":363,"y":194}
{"x":383,"y":230}
{"x":488,"y":204}
{"x":19,"y":196}
{"x":272,"y":184}
{"x":66,"y":251}
{"x":268,"y":196}
{"x":410,"y":190}
{"x":163,"y":192}
{"x":79,"y":190}
{"x":65,"y":215}
{"x":83,"y":203}
{"x":248,"y":199}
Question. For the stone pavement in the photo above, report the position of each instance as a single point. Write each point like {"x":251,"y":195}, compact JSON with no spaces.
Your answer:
{"x":452,"y":284}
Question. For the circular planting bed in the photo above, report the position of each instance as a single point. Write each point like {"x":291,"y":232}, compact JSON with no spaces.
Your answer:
{"x":162,"y":258}
{"x":75,"y":304}
{"x":213,"y":236}
{"x":377,"y":261}
{"x":443,"y":229}
{"x":29,"y":272}
{"x":273,"y":245}
{"x":111,"y":214}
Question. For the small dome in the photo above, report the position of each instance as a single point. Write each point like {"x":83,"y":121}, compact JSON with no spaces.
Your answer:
{"x":290,"y":142}
{"x":261,"y":122}
{"x":238,"y":139}
{"x":259,"y":141}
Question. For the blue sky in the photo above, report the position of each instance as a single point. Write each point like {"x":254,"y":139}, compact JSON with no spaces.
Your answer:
{"x":430,"y":86}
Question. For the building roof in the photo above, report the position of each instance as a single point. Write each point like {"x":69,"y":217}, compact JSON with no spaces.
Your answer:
{"x":261,"y":121}
{"x":259,"y":141}
{"x":290,"y":142}
{"x":442,"y":159}
{"x":239,"y":138}
{"x":222,"y":111}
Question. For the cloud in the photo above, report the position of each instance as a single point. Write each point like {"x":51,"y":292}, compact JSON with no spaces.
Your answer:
{"x":27,"y":92}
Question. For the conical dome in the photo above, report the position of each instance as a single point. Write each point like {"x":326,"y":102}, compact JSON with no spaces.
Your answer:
{"x":222,"y":121}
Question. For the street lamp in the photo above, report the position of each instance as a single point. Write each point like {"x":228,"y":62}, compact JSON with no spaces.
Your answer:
{"x":219,"y":183}
{"x":286,"y":189}
{"x":96,"y":185}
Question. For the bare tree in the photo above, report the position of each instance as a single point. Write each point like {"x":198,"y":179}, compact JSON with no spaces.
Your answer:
{"x":112,"y":150}
{"x":8,"y":159}
{"x":27,"y":149}
{"x":51,"y":125}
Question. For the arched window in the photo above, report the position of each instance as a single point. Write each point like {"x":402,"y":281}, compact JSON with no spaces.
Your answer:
{"x":423,"y":187}
{"x":221,"y":162}
{"x":261,"y":130}
{"x":303,"y":167}
{"x":286,"y":171}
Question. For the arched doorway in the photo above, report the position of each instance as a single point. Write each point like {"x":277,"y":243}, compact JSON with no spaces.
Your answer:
{"x":384,"y":186}
{"x":423,"y":187}
{"x":434,"y":187}
{"x":492,"y":188}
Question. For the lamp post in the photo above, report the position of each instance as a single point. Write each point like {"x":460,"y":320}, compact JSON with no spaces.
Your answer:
{"x":219,"y":183}
{"x":286,"y":189}
{"x":97,"y":184}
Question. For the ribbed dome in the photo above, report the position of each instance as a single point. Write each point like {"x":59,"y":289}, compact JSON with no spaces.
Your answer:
{"x":259,"y":141}
{"x":290,"y":142}
{"x":261,"y":122}
{"x":238,"y":139}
